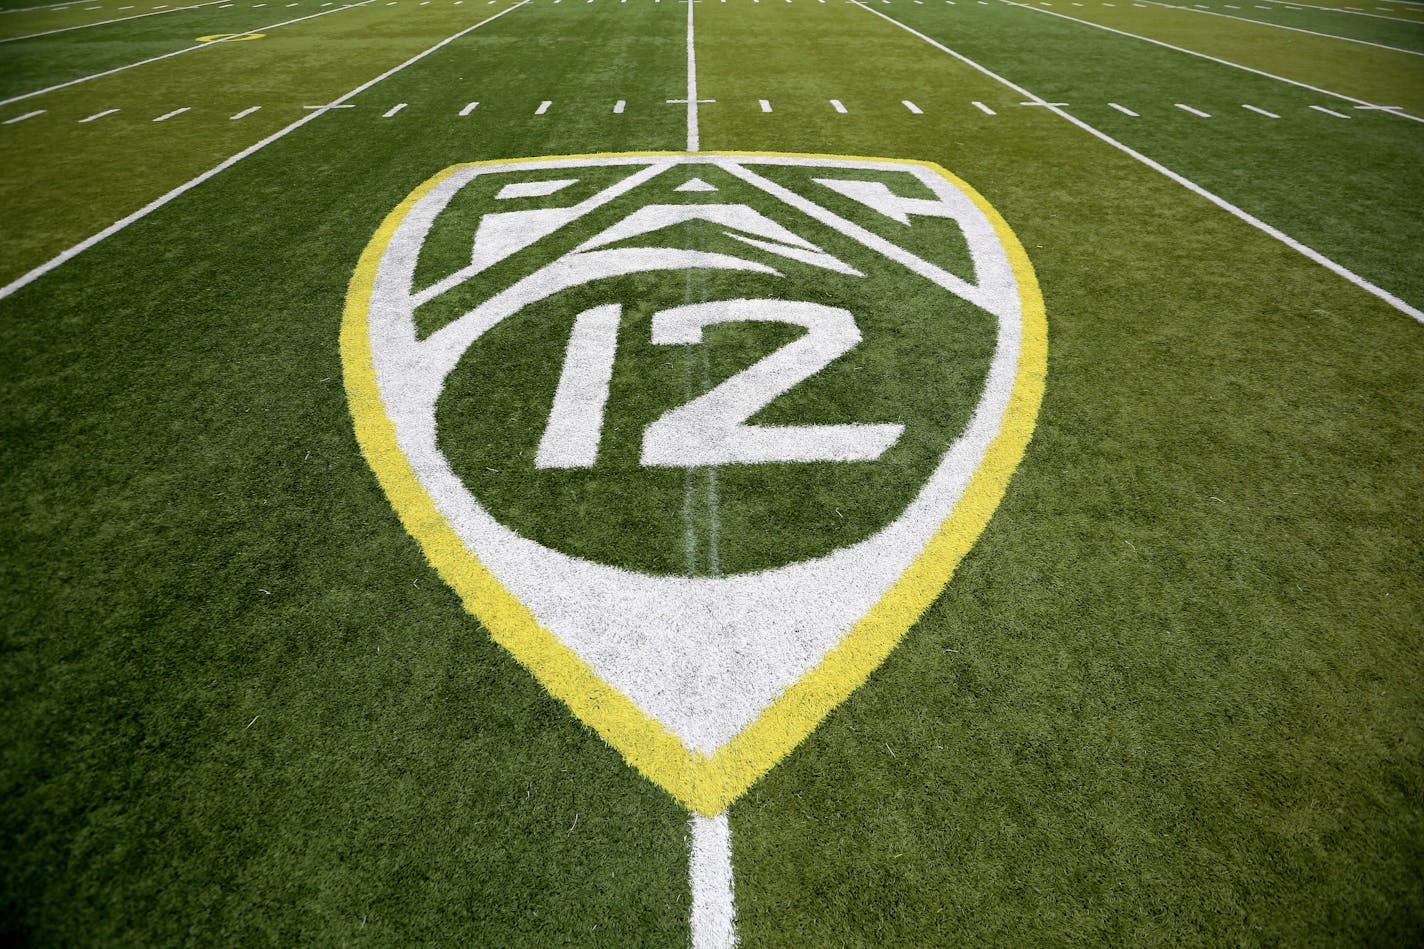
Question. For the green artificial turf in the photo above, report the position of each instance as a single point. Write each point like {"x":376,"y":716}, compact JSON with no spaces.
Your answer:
{"x":1169,"y":698}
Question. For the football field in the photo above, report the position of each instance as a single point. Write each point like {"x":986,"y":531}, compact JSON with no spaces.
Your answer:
{"x":712,"y":472}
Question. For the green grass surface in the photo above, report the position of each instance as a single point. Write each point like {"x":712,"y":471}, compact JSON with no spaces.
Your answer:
{"x":1170,"y":697}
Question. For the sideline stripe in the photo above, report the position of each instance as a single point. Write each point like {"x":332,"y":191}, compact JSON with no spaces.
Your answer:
{"x":1319,"y":258}
{"x":143,"y":212}
{"x":120,"y":19}
{"x":1282,"y":26}
{"x":1192,"y":52}
{"x":179,"y":52}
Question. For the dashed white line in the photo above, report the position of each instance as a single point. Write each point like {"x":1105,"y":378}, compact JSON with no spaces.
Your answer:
{"x":914,"y":109}
{"x":1214,"y":59}
{"x":98,"y":115}
{"x":1124,"y":110}
{"x":1339,"y":270}
{"x":1197,"y":112}
{"x":836,"y":104}
{"x":168,"y":115}
{"x":21,"y":118}
{"x":393,"y":110}
{"x":765,"y":104}
{"x":243,"y":113}
{"x":543,"y":107}
{"x":619,"y":106}
{"x":1338,"y":115}
{"x":85,"y":26}
{"x":984,"y":108}
{"x":176,"y":52}
{"x":1252,"y":108}
{"x":1294,"y":29}
{"x":469,"y":107}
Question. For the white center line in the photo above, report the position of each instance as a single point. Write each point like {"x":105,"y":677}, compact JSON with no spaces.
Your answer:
{"x":694,"y":136}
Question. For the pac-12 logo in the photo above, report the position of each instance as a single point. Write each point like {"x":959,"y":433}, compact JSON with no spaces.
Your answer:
{"x":696,"y":436}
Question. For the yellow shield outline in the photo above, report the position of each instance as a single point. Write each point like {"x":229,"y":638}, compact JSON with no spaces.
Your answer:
{"x":707,"y":785}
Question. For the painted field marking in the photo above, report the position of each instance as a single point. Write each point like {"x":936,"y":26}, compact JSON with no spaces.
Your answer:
{"x":836,"y":104}
{"x":168,"y":115}
{"x":1252,"y":108}
{"x":1052,"y":105}
{"x":1338,"y":269}
{"x":984,"y":108}
{"x":765,"y":104}
{"x":694,"y":133}
{"x":98,"y":115}
{"x":710,"y":872}
{"x":1376,"y":16}
{"x":330,"y":105}
{"x":619,"y":106}
{"x":179,"y":52}
{"x":1282,"y":26}
{"x":543,"y":107}
{"x":85,"y":26}
{"x":393,"y":110}
{"x":1214,"y":59}
{"x":1379,"y":108}
{"x":1338,"y":115}
{"x":1197,"y":112}
{"x":469,"y":107}
{"x":914,"y":109}
{"x":21,"y":118}
{"x":143,"y":212}
{"x":243,"y":113}
{"x":1124,"y":110}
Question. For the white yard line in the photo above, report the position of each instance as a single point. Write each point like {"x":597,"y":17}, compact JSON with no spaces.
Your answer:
{"x":1192,"y":52}
{"x":1282,"y":26}
{"x":1319,"y":258}
{"x":147,"y":209}
{"x":120,"y":19}
{"x":179,"y":52}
